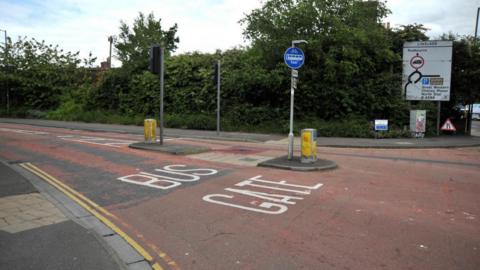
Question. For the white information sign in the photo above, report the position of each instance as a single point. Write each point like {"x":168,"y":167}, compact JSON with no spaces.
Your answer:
{"x":381,"y":124}
{"x":427,"y":69}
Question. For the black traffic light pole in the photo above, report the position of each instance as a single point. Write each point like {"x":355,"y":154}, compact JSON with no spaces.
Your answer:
{"x":156,"y":67}
{"x":217,"y":81}
{"x":6,"y":70}
{"x":161,"y":94}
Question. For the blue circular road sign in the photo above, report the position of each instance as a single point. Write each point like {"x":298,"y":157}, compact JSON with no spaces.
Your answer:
{"x":294,"y":58}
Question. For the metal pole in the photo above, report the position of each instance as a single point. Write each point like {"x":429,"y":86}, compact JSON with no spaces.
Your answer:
{"x":476,"y":25}
{"x":469,"y":114}
{"x":6,"y":71}
{"x":469,"y":125}
{"x":8,"y":100}
{"x":438,"y":117}
{"x":290,"y":134}
{"x":466,"y":118}
{"x":161,"y":94}
{"x":218,"y":97}
{"x":292,"y":94}
{"x":110,"y":39}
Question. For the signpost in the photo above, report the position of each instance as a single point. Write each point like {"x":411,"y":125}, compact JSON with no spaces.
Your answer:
{"x":294,"y":59}
{"x":427,"y":69}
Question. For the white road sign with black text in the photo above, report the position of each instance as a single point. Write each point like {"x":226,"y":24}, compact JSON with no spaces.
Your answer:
{"x":427,"y":69}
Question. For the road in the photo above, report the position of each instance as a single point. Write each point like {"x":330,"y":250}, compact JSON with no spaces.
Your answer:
{"x":381,"y":209}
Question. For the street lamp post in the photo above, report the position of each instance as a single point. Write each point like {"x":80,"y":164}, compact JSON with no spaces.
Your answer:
{"x":470,"y":107}
{"x":292,"y":95}
{"x":5,"y":66}
{"x":476,"y":25}
{"x":110,"y":40}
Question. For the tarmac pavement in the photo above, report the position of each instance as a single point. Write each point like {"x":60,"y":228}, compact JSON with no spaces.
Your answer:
{"x":380,"y":209}
{"x":445,"y":141}
{"x":130,"y":129}
{"x":36,"y":231}
{"x":46,"y":230}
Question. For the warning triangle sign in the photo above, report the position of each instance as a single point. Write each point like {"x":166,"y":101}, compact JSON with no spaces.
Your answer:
{"x":448,"y":126}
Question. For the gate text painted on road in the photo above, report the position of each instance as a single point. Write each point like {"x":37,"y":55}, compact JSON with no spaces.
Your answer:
{"x":273,"y":203}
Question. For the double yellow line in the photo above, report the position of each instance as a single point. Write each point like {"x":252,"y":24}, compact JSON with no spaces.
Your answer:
{"x":98,"y":211}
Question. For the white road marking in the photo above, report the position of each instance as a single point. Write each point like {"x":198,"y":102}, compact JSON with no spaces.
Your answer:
{"x":112,"y":142}
{"x":97,"y":140}
{"x":32,"y":132}
{"x":280,"y":201}
{"x":165,"y":178}
{"x":264,"y":205}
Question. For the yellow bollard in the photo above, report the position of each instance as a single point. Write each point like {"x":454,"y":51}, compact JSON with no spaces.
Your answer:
{"x":149,"y":129}
{"x":309,"y":146}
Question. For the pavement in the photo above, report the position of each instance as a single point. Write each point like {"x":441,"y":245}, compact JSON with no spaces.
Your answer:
{"x":37,"y":231}
{"x":131,"y":129}
{"x":445,"y":141}
{"x":295,"y":164}
{"x":174,"y":149}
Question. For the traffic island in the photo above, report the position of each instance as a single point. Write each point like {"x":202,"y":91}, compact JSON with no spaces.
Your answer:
{"x":175,"y":149}
{"x":296,"y":165}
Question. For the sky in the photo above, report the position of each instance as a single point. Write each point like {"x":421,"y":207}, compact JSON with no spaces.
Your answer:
{"x":203,"y":25}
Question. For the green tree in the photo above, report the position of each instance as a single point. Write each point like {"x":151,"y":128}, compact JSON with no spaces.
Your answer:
{"x":465,"y":70}
{"x":404,"y":33}
{"x":38,"y":74}
{"x":132,"y":46}
{"x":347,"y":57}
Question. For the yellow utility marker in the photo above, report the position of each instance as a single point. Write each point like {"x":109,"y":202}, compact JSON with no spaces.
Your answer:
{"x":149,"y":128}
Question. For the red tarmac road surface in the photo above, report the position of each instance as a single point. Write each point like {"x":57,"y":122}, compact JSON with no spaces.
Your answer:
{"x":381,"y":209}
